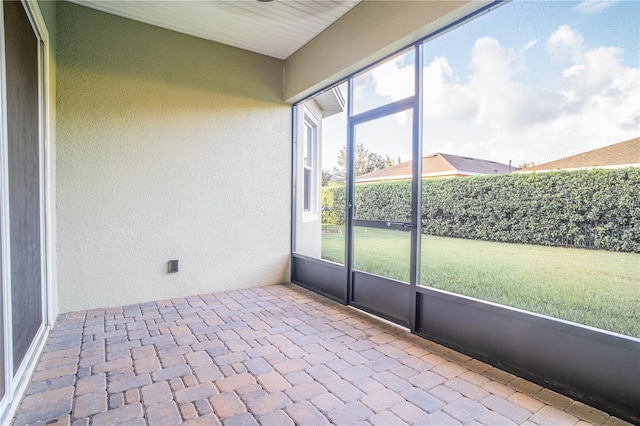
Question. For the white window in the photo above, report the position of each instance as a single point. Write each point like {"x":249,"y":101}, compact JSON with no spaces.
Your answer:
{"x":309,"y":165}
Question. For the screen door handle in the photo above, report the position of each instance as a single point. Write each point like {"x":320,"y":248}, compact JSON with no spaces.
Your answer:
{"x":403,"y":225}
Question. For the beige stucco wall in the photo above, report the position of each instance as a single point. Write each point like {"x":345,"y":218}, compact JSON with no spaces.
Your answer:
{"x":368,"y":32}
{"x":168,"y":147}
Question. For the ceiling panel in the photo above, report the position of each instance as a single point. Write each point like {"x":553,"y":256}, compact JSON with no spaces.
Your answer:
{"x":278,"y":28}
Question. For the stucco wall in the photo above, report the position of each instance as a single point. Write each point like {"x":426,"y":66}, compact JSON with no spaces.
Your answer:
{"x":368,"y":32}
{"x":168,"y":147}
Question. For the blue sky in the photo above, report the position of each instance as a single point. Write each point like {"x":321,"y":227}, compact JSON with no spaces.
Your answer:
{"x":529,"y":81}
{"x":604,"y":23}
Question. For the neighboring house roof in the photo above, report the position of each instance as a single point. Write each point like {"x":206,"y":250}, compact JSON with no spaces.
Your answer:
{"x":621,"y":154}
{"x":439,"y":165}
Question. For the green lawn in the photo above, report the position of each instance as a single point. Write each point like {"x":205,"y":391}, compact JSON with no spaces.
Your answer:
{"x":596,"y":288}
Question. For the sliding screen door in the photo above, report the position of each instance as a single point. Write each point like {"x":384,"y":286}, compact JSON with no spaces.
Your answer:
{"x":23,"y":130}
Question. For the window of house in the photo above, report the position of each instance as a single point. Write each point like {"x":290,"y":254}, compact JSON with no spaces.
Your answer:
{"x":309,"y":165}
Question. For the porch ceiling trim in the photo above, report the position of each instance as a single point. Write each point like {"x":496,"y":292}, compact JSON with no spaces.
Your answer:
{"x":276,"y":29}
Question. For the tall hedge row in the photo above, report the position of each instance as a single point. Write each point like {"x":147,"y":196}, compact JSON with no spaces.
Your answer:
{"x":598,"y":208}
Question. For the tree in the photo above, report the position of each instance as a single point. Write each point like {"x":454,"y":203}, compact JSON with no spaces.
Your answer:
{"x":526,"y":164}
{"x":390,"y":161}
{"x":365,"y":162}
{"x":326,"y":177}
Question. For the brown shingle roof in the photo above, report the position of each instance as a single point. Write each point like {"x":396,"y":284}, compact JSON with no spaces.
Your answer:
{"x":439,"y":165}
{"x":477,"y":166}
{"x":625,"y":153}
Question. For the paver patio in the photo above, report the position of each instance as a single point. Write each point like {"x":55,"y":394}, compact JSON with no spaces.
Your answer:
{"x":276,"y":355}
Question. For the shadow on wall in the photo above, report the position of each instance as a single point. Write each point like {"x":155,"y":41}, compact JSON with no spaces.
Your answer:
{"x":108,"y":44}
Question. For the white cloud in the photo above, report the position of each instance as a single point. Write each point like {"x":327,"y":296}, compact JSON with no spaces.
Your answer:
{"x":522,"y":54}
{"x":591,"y":7}
{"x":565,"y":43}
{"x":393,"y":80}
{"x":489,"y":110}
{"x":491,"y":96}
{"x":602,"y":94}
{"x":444,"y":98}
{"x":599,"y":73}
{"x":595,"y":101}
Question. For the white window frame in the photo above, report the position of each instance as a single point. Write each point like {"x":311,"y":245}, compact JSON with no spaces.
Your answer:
{"x":310,"y":188}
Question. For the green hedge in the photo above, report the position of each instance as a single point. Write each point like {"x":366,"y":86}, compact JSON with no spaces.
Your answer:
{"x":597,"y":208}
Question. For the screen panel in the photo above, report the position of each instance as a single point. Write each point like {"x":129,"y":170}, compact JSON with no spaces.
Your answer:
{"x":321,"y":176}
{"x":21,"y":49}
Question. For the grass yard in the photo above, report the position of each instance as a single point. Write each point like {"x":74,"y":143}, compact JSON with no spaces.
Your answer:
{"x":596,"y":288}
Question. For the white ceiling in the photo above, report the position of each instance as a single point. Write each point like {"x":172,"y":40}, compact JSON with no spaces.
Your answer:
{"x":276,"y":29}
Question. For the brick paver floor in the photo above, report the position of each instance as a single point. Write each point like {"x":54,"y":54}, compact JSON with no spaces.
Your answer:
{"x":277,"y":355}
